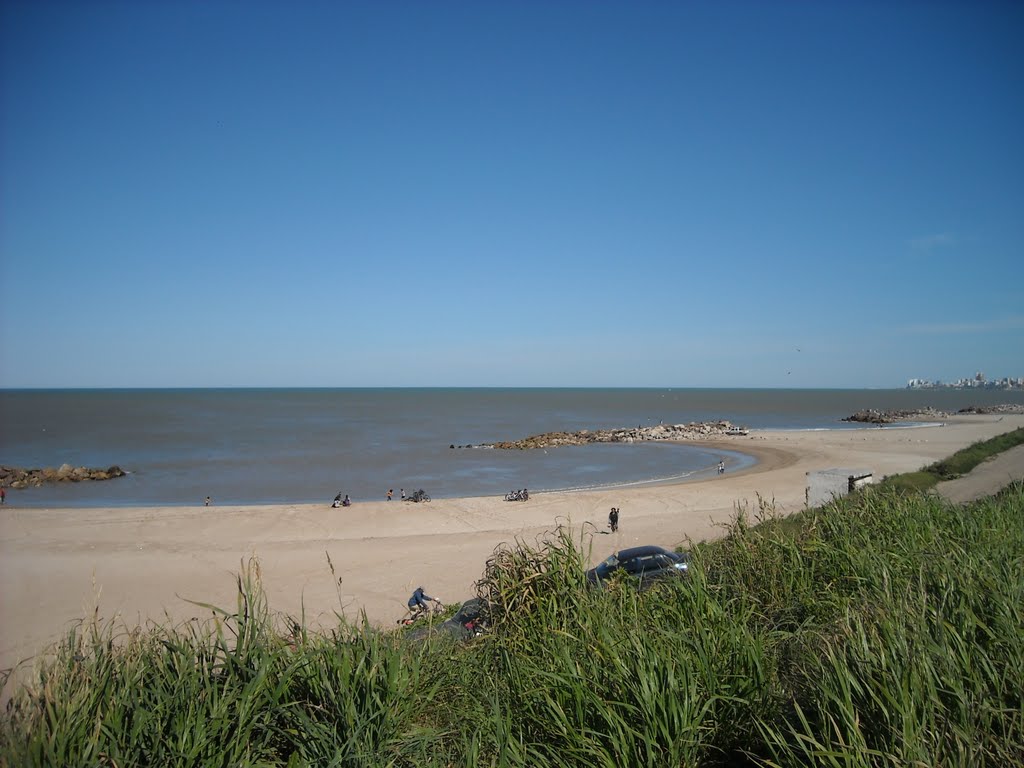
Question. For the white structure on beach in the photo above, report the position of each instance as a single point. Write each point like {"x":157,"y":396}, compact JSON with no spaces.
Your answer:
{"x":824,"y":485}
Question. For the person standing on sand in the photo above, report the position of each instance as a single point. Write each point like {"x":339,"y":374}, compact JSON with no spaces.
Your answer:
{"x":390,"y":491}
{"x":402,"y":491}
{"x":207,"y":501}
{"x":613,"y":519}
{"x":721,"y":467}
{"x":3,"y":495}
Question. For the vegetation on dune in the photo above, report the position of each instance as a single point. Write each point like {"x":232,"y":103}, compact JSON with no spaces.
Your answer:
{"x":886,"y":628}
{"x":957,"y":465}
{"x":962,"y":462}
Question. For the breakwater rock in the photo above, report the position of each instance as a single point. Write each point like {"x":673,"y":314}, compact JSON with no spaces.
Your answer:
{"x":13,"y":477}
{"x":692,"y":431}
{"x":982,"y":409}
{"x":873,"y":416}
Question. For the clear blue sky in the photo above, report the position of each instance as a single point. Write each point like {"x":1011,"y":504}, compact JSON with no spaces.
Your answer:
{"x":510,"y":194}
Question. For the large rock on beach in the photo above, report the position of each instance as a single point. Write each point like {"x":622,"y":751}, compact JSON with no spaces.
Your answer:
{"x":16,"y":477}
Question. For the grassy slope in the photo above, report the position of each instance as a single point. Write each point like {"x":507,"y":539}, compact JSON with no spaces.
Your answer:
{"x":958,"y":464}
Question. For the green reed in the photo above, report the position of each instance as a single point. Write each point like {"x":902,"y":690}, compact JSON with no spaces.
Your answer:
{"x":228,"y":692}
{"x":924,"y":665}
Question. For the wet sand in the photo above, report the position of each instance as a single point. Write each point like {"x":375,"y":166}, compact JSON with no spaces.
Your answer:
{"x":148,"y":563}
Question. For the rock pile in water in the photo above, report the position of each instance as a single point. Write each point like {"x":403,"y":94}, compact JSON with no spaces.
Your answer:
{"x":1004,"y":408}
{"x":874,"y":416}
{"x":13,"y":477}
{"x":692,"y":431}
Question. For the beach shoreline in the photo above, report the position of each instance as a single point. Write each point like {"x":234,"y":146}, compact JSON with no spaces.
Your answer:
{"x":140,"y":564}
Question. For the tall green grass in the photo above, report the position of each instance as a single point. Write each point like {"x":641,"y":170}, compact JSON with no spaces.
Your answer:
{"x":233,"y":691}
{"x":881,"y":629}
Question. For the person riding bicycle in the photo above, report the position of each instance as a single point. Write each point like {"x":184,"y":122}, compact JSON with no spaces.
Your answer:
{"x":418,"y":603}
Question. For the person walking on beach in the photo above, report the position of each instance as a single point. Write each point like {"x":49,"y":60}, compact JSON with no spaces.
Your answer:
{"x":207,"y":503}
{"x":721,"y":467}
{"x":613,"y":519}
{"x":3,"y":495}
{"x":402,"y":491}
{"x":390,"y":491}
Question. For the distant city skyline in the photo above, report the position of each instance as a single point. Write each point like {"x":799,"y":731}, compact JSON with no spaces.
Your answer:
{"x":777,"y":195}
{"x":978,"y":380}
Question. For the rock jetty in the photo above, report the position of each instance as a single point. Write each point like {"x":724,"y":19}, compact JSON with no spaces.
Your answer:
{"x":692,"y":431}
{"x":13,"y":477}
{"x":874,"y":416}
{"x":982,"y":409}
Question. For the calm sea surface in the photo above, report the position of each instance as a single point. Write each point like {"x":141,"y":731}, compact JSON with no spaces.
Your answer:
{"x":251,"y":446}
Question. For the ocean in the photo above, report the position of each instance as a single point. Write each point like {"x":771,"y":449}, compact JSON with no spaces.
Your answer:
{"x":272,"y":446}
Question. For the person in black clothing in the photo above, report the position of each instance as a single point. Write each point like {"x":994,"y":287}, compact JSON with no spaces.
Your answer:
{"x":613,"y":519}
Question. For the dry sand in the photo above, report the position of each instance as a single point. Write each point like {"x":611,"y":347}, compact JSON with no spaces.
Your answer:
{"x":139,"y":564}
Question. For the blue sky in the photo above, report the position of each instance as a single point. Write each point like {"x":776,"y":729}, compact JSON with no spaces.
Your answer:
{"x":510,"y":194}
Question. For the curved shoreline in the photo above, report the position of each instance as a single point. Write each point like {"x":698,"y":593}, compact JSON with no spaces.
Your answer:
{"x":146,"y":563}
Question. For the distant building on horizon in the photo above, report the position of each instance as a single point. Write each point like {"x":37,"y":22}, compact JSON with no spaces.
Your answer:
{"x":977,"y":382}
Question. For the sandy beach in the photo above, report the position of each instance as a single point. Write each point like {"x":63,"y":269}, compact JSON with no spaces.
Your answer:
{"x":140,"y":564}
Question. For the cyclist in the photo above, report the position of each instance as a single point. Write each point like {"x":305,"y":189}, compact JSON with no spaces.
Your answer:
{"x":419,"y":600}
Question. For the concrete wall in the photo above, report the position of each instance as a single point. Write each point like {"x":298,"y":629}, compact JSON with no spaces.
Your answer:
{"x":827,"y":484}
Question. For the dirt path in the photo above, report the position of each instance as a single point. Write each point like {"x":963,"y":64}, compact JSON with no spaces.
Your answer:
{"x":987,"y":478}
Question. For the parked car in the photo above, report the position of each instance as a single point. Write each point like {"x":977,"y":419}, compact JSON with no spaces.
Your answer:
{"x":648,"y":564}
{"x":465,"y":623}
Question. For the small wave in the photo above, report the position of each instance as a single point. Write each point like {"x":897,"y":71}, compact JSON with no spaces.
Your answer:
{"x":813,"y":429}
{"x":625,"y":484}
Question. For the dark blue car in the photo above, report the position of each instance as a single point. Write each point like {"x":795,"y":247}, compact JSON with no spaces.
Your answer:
{"x":647,"y":564}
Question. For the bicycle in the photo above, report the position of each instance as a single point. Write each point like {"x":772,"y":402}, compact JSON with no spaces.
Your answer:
{"x":422,"y":612}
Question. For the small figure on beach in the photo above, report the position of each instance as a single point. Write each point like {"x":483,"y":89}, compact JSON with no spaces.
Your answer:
{"x":207,"y":503}
{"x":402,"y":491}
{"x":721,"y":467}
{"x":613,"y":519}
{"x":337,"y":501}
{"x":3,"y":495}
{"x":390,"y":493}
{"x":346,"y":502}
